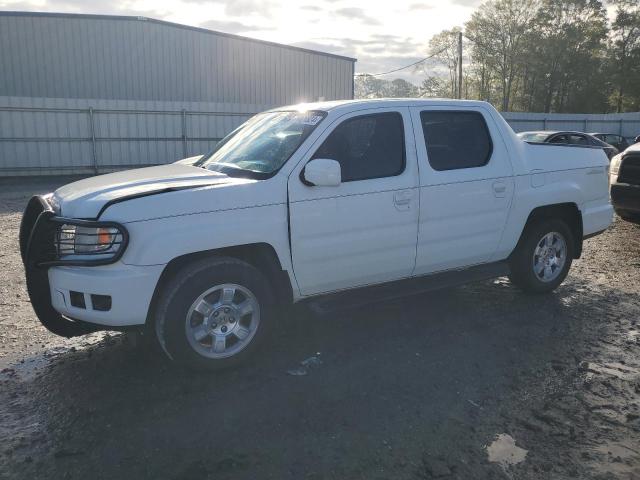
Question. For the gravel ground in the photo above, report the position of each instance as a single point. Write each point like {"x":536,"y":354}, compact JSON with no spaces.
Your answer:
{"x":434,"y":386}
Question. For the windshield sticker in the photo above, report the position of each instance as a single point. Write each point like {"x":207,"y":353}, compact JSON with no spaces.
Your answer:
{"x":312,"y":120}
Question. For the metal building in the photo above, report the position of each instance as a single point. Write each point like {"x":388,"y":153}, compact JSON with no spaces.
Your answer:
{"x":94,"y":93}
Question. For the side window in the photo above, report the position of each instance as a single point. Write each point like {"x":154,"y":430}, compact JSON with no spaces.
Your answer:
{"x":578,"y":140}
{"x":456,"y":140}
{"x":369,"y":146}
{"x":559,"y":139}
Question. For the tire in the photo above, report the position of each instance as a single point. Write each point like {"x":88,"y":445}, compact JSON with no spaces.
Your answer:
{"x":629,"y":216}
{"x":214,"y":313}
{"x":531,"y":254}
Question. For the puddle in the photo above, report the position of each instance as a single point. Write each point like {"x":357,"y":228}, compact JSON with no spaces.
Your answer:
{"x":503,"y":451}
{"x":28,"y":368}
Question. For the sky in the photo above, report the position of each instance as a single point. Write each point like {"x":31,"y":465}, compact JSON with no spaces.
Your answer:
{"x":382,"y":35}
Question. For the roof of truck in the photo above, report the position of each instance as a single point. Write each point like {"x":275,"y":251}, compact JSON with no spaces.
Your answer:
{"x":382,"y":102}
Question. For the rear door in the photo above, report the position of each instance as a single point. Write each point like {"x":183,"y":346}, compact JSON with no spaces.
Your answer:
{"x":363,"y":231}
{"x":466,"y":187}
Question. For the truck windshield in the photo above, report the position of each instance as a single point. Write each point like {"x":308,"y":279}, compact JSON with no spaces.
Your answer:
{"x":259,"y":147}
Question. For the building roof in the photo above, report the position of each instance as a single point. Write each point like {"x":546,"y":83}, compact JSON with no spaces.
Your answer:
{"x":169,"y":24}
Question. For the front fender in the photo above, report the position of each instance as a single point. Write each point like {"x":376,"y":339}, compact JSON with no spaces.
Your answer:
{"x":158,"y":241}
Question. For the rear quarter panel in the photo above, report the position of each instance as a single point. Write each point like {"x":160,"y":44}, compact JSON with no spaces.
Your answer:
{"x":549,"y":175}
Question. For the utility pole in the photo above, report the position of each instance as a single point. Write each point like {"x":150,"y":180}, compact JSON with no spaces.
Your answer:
{"x":460,"y":64}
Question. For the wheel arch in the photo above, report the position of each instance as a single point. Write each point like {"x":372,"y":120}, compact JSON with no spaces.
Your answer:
{"x":568,"y":212}
{"x":263,"y":256}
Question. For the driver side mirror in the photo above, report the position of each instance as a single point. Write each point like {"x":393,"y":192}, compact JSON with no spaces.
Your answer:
{"x":322,"y":172}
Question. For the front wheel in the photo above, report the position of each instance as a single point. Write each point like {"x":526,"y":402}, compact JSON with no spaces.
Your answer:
{"x":542,"y":259}
{"x":214,"y":313}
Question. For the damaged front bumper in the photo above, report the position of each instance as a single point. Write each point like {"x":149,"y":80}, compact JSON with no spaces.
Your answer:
{"x":40,"y":252}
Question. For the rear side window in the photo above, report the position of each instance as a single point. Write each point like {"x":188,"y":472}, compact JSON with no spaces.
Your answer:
{"x":562,"y":139}
{"x":456,"y":140}
{"x":578,"y":140}
{"x":369,"y":146}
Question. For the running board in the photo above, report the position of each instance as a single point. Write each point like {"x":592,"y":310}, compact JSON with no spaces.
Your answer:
{"x":358,"y":297}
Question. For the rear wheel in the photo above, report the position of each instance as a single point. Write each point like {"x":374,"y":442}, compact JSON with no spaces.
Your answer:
{"x":543,"y":256}
{"x":214,"y":313}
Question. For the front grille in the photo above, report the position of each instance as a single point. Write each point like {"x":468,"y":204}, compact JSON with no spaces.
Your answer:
{"x":630,"y":169}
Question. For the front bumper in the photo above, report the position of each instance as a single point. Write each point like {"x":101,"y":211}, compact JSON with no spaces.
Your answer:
{"x":129,"y":288}
{"x":625,"y":197}
{"x":50,"y":285}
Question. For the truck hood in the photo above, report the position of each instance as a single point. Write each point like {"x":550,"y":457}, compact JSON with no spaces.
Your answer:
{"x":87,"y":198}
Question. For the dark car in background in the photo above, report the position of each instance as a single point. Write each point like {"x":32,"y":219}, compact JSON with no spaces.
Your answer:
{"x":568,"y":138}
{"x":618,"y":141}
{"x":624,"y":174}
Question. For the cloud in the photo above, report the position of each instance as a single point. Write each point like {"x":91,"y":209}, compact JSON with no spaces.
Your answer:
{"x":262,"y":8}
{"x":467,"y":3}
{"x":358,"y":14}
{"x":229,"y":26}
{"x":338,"y":49}
{"x":101,"y":7}
{"x":420,"y":6}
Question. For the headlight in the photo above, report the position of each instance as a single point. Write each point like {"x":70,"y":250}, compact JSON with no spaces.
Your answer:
{"x":614,"y":167}
{"x":91,"y":242}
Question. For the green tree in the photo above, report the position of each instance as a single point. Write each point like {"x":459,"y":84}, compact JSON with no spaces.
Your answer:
{"x":499,"y":30}
{"x":368,"y":86}
{"x":624,"y":55}
{"x":444,"y":48}
{"x":434,"y":87}
{"x":400,"y":88}
{"x":564,"y":72}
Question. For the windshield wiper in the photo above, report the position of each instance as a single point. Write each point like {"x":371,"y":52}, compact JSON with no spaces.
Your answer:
{"x":233,"y":171}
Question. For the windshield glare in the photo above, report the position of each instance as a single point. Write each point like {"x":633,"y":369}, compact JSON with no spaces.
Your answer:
{"x":264,"y":143}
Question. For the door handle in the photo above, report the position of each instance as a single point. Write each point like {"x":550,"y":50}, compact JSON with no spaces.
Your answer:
{"x":499,"y":188}
{"x":402,"y":200}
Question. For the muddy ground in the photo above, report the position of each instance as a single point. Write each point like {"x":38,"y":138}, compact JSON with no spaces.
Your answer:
{"x":411,"y":389}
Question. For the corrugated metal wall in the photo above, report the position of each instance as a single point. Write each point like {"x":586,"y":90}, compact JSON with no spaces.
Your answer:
{"x":130,"y":58}
{"x":48,"y":136}
{"x":156,"y":90}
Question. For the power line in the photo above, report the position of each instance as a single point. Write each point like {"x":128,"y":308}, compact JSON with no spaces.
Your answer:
{"x":405,"y":67}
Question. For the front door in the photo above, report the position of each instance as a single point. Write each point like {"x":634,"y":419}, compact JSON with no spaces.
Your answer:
{"x":363,"y":231}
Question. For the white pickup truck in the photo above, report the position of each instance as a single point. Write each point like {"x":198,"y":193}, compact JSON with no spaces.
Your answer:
{"x":320,"y":201}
